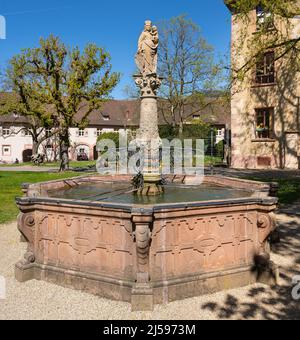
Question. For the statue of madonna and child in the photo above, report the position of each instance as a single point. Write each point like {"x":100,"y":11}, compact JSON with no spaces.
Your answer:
{"x":146,"y":57}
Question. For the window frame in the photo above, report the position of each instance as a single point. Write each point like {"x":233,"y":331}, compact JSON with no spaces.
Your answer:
{"x":265,"y":72}
{"x":6,"y":131}
{"x":81,"y":132}
{"x":264,"y":19}
{"x":9,"y":150}
{"x":260,"y":135}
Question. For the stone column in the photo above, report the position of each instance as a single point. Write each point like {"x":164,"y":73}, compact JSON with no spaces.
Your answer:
{"x":148,"y":135}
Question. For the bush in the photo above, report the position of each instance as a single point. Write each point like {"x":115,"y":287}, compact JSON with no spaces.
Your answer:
{"x":114,"y":136}
{"x":168,"y":132}
{"x":197,"y":130}
{"x":220,"y":149}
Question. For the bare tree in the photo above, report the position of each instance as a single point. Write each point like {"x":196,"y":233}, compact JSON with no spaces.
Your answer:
{"x":186,"y":61}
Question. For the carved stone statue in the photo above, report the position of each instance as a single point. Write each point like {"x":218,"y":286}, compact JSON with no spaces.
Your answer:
{"x":146,"y":57}
{"x":148,"y":138}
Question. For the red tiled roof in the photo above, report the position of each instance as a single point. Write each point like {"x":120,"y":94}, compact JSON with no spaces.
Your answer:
{"x":125,"y":113}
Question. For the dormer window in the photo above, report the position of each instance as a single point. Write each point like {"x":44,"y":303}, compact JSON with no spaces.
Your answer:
{"x":264,"y":19}
{"x":6,"y":131}
{"x":105,"y":116}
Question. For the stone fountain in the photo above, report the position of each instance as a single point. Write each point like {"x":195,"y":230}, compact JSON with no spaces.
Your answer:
{"x":170,"y":242}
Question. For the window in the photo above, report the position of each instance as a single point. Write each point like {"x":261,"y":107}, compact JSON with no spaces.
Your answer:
{"x":264,"y":119}
{"x":220,"y":132}
{"x":48,"y":133}
{"x":105,"y":116}
{"x":81,"y":133}
{"x":6,"y":131}
{"x":99,"y":131}
{"x":6,"y":150}
{"x":264,"y":19}
{"x":265,"y":69}
{"x":25,"y":133}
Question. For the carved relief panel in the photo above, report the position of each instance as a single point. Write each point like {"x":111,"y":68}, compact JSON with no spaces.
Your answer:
{"x":87,"y":244}
{"x":202,"y":244}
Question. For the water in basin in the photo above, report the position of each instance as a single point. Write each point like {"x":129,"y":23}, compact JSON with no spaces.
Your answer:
{"x":123,"y":193}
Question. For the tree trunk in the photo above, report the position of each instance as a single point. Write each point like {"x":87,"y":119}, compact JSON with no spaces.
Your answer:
{"x":35,"y":141}
{"x":180,"y":131}
{"x":64,"y":143}
{"x":181,"y":113}
{"x":35,"y":144}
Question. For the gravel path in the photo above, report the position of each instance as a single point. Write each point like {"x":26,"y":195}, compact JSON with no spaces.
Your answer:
{"x":40,"y":300}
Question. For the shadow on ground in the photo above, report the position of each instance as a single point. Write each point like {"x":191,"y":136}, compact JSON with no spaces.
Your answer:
{"x":269,"y":302}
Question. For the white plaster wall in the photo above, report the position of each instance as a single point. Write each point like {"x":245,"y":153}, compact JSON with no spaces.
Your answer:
{"x":18,"y":143}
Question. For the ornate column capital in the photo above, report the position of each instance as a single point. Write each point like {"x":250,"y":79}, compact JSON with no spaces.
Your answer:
{"x":148,"y":84}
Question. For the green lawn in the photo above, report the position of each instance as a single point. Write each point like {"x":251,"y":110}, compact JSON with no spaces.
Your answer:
{"x":208,"y":160}
{"x":73,"y":164}
{"x":10,"y":188}
{"x":289,"y":188}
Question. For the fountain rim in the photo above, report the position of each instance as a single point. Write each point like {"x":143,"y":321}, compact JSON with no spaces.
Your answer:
{"x":252,"y":200}
{"x":260,"y":195}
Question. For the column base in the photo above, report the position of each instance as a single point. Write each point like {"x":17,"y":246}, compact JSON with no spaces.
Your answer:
{"x":267,"y":270}
{"x":142,"y":299}
{"x":24,"y":272}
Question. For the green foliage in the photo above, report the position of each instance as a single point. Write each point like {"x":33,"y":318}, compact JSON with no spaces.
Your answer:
{"x":198,"y":129}
{"x":114,"y":136}
{"x":168,"y":132}
{"x":10,"y":183}
{"x":220,"y":149}
{"x":283,"y":8}
{"x":289,"y":188}
{"x":54,"y":84}
{"x":275,"y":33}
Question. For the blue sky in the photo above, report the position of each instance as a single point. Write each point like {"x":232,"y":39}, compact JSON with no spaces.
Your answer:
{"x":113,"y":24}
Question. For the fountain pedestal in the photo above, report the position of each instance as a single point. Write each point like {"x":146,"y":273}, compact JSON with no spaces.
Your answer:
{"x":148,"y":135}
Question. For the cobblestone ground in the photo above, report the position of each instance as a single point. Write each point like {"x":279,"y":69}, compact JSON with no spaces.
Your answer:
{"x":40,"y":300}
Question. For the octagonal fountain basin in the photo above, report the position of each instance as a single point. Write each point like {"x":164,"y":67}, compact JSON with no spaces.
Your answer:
{"x":94,"y":234}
